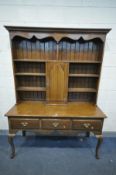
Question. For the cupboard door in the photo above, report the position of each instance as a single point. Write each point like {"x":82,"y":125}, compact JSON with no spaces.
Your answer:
{"x":57,"y":81}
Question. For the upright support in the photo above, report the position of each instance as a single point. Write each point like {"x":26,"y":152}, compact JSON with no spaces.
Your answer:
{"x":24,"y":133}
{"x":87,"y":134}
{"x":99,"y":142}
{"x":10,"y":140}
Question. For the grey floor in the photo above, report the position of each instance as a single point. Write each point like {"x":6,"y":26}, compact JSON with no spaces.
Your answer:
{"x":57,"y":156}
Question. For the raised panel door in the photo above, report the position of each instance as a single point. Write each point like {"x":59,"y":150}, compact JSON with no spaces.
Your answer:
{"x":57,"y":81}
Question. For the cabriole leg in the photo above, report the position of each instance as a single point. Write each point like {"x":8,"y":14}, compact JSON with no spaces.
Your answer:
{"x":10,"y":140}
{"x":99,"y":142}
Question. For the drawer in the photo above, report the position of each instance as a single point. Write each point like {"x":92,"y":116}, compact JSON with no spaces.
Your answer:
{"x":56,"y":124}
{"x":87,"y":124}
{"x":24,"y":123}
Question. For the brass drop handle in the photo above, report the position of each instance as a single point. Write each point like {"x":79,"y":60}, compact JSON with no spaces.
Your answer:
{"x":86,"y":125}
{"x":24,"y":123}
{"x":55,"y":124}
{"x":92,"y":127}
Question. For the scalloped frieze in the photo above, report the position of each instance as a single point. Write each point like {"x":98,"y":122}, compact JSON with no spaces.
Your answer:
{"x":57,"y":36}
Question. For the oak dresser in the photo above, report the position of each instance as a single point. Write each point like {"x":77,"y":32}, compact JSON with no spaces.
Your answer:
{"x":56,"y":75}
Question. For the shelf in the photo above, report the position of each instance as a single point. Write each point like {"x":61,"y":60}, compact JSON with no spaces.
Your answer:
{"x":69,"y":61}
{"x":31,"y":89}
{"x":84,"y":61}
{"x":82,"y":90}
{"x":29,"y":74}
{"x":83,"y":75}
{"x":28,"y":60}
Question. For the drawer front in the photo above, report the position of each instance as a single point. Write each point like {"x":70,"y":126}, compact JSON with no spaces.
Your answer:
{"x":87,"y":124}
{"x":55,"y":124}
{"x":24,"y":123}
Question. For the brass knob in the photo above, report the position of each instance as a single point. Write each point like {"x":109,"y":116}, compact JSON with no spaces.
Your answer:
{"x":24,"y":123}
{"x":86,"y":125}
{"x":55,"y":124}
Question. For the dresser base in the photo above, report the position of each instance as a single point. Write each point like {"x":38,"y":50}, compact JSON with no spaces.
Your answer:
{"x":69,"y":119}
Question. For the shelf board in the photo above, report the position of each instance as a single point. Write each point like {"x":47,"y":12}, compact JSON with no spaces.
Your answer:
{"x":84,"y":61}
{"x":28,"y":60}
{"x":29,"y":74}
{"x":83,"y":75}
{"x":82,"y":90}
{"x":23,"y":88}
{"x":69,"y":61}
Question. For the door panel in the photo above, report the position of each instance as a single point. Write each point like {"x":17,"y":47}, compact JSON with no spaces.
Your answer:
{"x":57,"y":81}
